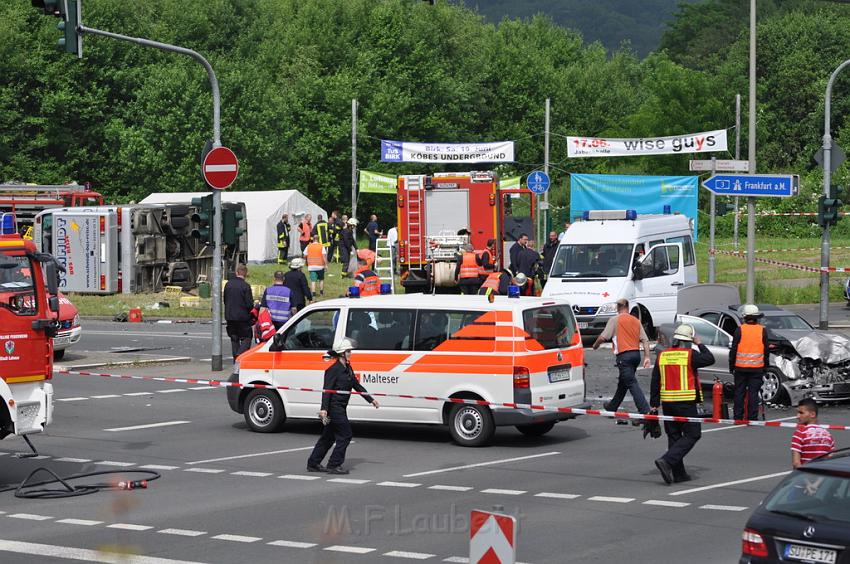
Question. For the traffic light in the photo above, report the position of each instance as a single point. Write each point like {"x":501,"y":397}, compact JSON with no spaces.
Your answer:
{"x":69,"y":12}
{"x":231,"y":230}
{"x":828,"y":210}
{"x":202,"y":219}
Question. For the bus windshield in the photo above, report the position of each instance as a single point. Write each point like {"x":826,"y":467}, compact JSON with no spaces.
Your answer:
{"x":592,"y":261}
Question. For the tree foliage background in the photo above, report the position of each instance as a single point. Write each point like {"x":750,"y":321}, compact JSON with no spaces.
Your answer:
{"x":133,"y":120}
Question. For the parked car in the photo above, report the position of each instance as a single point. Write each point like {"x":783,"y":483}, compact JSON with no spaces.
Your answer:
{"x":70,"y":329}
{"x":806,"y":518}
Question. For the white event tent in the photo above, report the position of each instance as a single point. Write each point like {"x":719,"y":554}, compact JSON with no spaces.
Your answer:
{"x":263,"y":210}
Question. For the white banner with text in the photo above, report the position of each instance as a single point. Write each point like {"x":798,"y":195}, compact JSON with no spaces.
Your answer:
{"x":704,"y":142}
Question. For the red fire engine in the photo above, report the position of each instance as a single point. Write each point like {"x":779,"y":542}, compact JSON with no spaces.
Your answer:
{"x":29,"y":304}
{"x":27,"y":200}
{"x":436,"y":212}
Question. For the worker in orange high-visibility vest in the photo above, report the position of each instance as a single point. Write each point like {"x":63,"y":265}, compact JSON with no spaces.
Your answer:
{"x":366,"y":280}
{"x":675,"y":387}
{"x":466,"y":271}
{"x":747,"y":361}
{"x":486,"y":261}
{"x":317,"y":262}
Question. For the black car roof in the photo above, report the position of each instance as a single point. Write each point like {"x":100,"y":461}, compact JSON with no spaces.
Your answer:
{"x":838,"y":461}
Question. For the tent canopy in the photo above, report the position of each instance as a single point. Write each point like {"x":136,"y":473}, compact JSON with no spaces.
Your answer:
{"x":264,"y":210}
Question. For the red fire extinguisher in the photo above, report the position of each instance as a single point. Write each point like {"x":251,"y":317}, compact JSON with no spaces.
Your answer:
{"x":717,"y":399}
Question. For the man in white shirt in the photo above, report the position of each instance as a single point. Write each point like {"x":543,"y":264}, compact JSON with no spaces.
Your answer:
{"x":392,"y":241}
{"x":563,"y":233}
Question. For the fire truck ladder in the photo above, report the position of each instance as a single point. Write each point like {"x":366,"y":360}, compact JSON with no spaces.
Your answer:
{"x":385,"y":262}
{"x":415,"y":236}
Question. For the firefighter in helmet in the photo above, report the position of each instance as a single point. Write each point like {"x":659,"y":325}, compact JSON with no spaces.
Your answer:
{"x":747,"y":360}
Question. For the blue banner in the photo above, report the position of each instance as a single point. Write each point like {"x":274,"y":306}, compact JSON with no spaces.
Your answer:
{"x":646,"y":194}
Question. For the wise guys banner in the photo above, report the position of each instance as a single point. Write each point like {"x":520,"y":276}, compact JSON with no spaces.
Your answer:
{"x":407,"y":152}
{"x":705,"y":142}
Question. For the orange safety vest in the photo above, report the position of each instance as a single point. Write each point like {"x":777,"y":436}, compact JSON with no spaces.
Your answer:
{"x":482,"y":270}
{"x":678,"y":378}
{"x":492,"y":282}
{"x":468,"y":268}
{"x":306,"y":230}
{"x":314,"y":254}
{"x":370,"y":285}
{"x":628,"y":333}
{"x":750,"y":352}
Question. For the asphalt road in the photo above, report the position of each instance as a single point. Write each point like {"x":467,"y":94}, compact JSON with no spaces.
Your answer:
{"x":586,"y":492}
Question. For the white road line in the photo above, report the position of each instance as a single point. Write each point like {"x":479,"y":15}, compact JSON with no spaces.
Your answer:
{"x":30,"y":517}
{"x":399,"y":484}
{"x":450,"y":488}
{"x":503,"y":492}
{"x":664,"y":503}
{"x":106,"y":396}
{"x":492,"y":462}
{"x":237,"y":457}
{"x":72,"y":553}
{"x":557,"y":495}
{"x":609,"y":499}
{"x":77,"y":460}
{"x":71,"y":399}
{"x":139,"y":394}
{"x":159,"y":467}
{"x":148,"y":426}
{"x":145,"y":334}
{"x":237,"y":538}
{"x":115,"y":463}
{"x":182,"y":532}
{"x":252,"y":474}
{"x":733,"y":483}
{"x":171,"y":391}
{"x":723,"y":507}
{"x":207,"y":387}
{"x":84,"y":522}
{"x":457,"y":559}
{"x":349,"y":549}
{"x":727,"y":427}
{"x":129,"y":527}
{"x":349,"y":481}
{"x":292,"y":544}
{"x":411,"y":555}
{"x":204,"y":470}
{"x":299,"y":477}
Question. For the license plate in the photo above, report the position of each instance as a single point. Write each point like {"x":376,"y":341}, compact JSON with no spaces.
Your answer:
{"x":841,"y":388}
{"x":582,"y":324}
{"x":61,"y":341}
{"x":810,"y":553}
{"x":559,"y":375}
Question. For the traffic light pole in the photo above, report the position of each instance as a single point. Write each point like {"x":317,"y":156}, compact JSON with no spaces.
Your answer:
{"x":216,"y":219}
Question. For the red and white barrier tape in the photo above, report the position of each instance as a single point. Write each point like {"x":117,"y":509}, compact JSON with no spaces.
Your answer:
{"x":542,"y":408}
{"x":790,"y":265}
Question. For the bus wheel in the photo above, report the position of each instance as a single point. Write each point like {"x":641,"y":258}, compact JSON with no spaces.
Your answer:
{"x":471,"y":425}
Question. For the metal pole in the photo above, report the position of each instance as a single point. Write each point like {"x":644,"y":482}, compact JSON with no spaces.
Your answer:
{"x":546,"y":170}
{"x":216,"y":219}
{"x":737,"y":157}
{"x":827,"y":181}
{"x":354,"y":157}
{"x":751,"y":203}
{"x":712,"y":267}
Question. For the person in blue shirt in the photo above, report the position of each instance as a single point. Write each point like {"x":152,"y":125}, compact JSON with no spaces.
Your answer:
{"x":276,"y":299}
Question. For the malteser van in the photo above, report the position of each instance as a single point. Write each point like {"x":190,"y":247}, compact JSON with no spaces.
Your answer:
{"x":615,"y":254}
{"x":514,"y":350}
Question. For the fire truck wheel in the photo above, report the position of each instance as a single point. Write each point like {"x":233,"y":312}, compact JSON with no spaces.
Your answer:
{"x":536,"y":429}
{"x":58,"y":355}
{"x":471,"y":425}
{"x":264,"y":411}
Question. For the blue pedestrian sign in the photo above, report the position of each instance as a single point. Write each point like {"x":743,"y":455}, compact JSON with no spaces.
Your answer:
{"x":538,"y":182}
{"x":775,"y":185}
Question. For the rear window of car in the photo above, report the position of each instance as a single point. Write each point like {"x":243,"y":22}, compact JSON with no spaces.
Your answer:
{"x":549,"y":327}
{"x":814,"y":496}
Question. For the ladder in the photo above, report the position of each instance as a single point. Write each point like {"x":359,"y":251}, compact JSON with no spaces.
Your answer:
{"x":385,"y":262}
{"x":415,"y":220}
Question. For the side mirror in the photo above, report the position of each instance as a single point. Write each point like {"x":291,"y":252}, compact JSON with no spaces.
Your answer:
{"x":637,"y":272}
{"x":277,"y":343}
{"x":52,"y":281}
{"x":53,"y":303}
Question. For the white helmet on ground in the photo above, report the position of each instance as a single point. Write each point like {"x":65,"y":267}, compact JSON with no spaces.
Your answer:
{"x":683,"y":332}
{"x":749,"y":310}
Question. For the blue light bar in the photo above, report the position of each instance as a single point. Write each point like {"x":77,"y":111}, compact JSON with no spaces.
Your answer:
{"x":354,"y":292}
{"x":667,"y":209}
{"x":513,"y":291}
{"x":386,"y":289}
{"x":631,"y":214}
{"x":8,"y":225}
{"x":585,"y":215}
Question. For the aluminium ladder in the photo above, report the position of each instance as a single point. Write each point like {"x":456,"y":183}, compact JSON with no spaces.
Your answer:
{"x":385,"y":263}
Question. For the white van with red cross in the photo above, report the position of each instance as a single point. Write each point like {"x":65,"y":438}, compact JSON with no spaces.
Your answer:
{"x":423,"y":350}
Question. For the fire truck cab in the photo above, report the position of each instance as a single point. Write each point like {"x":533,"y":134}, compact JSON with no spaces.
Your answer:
{"x":29,"y":303}
{"x":438,"y":214}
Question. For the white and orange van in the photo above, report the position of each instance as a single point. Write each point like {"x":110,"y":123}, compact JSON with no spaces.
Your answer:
{"x":514,"y":350}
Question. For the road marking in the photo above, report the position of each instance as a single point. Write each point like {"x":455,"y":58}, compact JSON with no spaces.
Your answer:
{"x":77,"y":460}
{"x":733,"y":483}
{"x":399,"y":484}
{"x":492,"y":462}
{"x":451,"y":488}
{"x":158,"y":467}
{"x":129,"y":527}
{"x":252,"y":474}
{"x":144,"y":334}
{"x":106,"y":396}
{"x":182,"y":532}
{"x":663,"y":503}
{"x":349,"y":549}
{"x":171,"y":391}
{"x":349,"y":481}
{"x":299,"y":477}
{"x":723,"y":507}
{"x":503,"y":492}
{"x":237,"y":538}
{"x":237,"y":457}
{"x":71,"y":399}
{"x":727,"y":427}
{"x":148,"y":426}
{"x":411,"y":555}
{"x":84,"y":522}
{"x":72,"y":553}
{"x":292,"y":544}
{"x":30,"y":517}
{"x":458,"y":559}
{"x":115,"y":463}
{"x":207,"y":387}
{"x":557,"y":495}
{"x":204,"y":470}
{"x":611,"y":499}
{"x":139,"y":394}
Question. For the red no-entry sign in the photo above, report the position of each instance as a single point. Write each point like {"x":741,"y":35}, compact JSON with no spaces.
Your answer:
{"x":220,"y":167}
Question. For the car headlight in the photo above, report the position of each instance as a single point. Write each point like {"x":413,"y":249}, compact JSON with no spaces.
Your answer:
{"x":76,"y":321}
{"x":610,"y":307}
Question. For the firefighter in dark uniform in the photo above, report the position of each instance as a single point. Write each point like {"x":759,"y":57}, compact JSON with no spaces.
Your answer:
{"x":339,"y":377}
{"x":334,"y":230}
{"x":747,"y":359}
{"x":322,"y":231}
{"x":676,"y":388}
{"x":283,"y":229}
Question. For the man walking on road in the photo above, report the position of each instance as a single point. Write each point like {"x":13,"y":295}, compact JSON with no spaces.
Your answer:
{"x":747,"y":360}
{"x":676,"y":388}
{"x":238,"y":305}
{"x":627,"y":335}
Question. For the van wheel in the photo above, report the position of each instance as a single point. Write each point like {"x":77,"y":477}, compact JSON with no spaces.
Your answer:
{"x":535,"y":429}
{"x":772,"y":390}
{"x":471,"y":425}
{"x":58,"y":355}
{"x":645,"y":320}
{"x":264,"y":411}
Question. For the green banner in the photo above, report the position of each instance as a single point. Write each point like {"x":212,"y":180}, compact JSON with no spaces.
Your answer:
{"x":512,"y":182}
{"x":376,"y":183}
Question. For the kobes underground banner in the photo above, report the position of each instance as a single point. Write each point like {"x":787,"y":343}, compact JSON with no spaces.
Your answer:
{"x":704,"y":142}
{"x":407,"y":152}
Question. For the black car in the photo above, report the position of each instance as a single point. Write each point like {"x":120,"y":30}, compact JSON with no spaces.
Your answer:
{"x":806,"y":518}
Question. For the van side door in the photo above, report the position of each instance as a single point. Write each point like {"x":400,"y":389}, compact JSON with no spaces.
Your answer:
{"x":657,"y":280}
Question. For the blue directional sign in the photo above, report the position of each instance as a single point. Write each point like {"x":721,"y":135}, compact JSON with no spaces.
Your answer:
{"x":774,"y":185}
{"x":538,"y":182}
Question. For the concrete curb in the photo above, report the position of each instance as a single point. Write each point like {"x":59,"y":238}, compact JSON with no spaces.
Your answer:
{"x":143,"y":361}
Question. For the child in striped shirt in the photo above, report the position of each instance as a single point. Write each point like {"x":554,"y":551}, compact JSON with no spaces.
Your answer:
{"x":809,"y":441}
